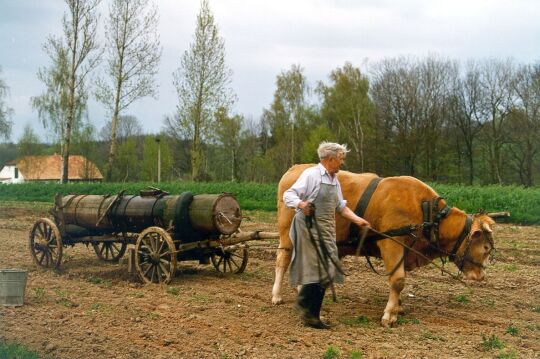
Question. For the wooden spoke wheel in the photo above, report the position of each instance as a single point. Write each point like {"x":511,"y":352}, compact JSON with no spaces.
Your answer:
{"x":155,"y":256}
{"x":230,"y":260}
{"x":109,"y":251}
{"x":45,"y":243}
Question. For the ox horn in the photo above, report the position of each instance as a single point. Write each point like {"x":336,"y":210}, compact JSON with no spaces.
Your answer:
{"x":496,"y":215}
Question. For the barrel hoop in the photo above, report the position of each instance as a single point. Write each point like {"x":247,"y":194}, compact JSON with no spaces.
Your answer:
{"x":122,"y":223}
{"x":157,"y":223}
{"x":182,"y":222}
{"x":77,"y":206}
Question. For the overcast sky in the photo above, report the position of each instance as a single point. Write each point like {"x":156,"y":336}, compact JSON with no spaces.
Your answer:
{"x":263,"y":37}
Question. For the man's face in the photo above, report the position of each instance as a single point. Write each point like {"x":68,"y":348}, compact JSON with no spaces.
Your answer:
{"x":335,"y":163}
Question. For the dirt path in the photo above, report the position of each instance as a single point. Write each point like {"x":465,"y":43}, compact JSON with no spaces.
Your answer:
{"x":91,"y":309}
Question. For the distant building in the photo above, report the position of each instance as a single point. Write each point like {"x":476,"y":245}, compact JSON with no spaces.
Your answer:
{"x":49,"y":168}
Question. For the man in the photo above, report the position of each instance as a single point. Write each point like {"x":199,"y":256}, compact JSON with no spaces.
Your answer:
{"x":316,"y":196}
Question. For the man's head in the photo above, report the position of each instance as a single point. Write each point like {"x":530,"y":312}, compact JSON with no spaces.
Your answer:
{"x":332,"y":156}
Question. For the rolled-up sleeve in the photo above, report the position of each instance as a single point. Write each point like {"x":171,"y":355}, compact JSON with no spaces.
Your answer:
{"x":298,"y":191}
{"x":341,"y":201}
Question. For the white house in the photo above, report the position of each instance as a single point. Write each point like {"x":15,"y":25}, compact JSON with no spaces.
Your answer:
{"x":10,"y":173}
{"x":49,"y":168}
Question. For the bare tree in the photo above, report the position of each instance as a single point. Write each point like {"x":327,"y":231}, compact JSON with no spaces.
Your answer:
{"x":467,"y":113}
{"x":134,"y":52}
{"x":433,"y":101}
{"x":496,"y":79}
{"x":5,"y":111}
{"x":127,"y":126}
{"x":202,"y":84}
{"x":74,"y":56}
{"x":524,"y":122}
{"x":395,"y":89}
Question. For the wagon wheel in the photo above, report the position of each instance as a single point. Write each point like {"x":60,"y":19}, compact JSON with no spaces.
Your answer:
{"x":45,"y":243}
{"x":109,"y":251}
{"x":155,"y":256}
{"x":230,"y":260}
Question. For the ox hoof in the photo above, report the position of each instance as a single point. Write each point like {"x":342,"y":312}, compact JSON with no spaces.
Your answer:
{"x":277,"y":300}
{"x":388,"y":323}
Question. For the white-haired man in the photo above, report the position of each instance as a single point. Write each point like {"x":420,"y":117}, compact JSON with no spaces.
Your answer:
{"x":316,"y":196}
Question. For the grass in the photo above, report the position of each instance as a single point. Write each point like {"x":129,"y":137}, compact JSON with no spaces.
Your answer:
{"x":507,"y":353}
{"x":100,"y":281}
{"x":401,"y":320}
{"x":200,"y":298}
{"x":511,"y":268}
{"x":331,"y":353}
{"x":462,"y":298}
{"x":492,"y":342}
{"x":426,"y":334}
{"x":512,"y":330}
{"x":39,"y":294}
{"x":356,"y":354}
{"x":173,"y":291}
{"x":358,"y":321}
{"x":536,"y":309}
{"x":16,"y":351}
{"x":63,"y":299}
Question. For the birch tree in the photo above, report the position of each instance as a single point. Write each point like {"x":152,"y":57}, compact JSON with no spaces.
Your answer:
{"x":74,"y":55}
{"x":133,"y":55}
{"x":5,"y":111}
{"x":203,"y":86}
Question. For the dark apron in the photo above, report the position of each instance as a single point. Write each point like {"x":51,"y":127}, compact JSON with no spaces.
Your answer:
{"x":306,"y":266}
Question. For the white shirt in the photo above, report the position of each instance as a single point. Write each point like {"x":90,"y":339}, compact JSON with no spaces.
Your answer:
{"x":306,"y":187}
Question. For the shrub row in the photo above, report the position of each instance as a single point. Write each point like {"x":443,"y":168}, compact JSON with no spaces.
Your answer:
{"x":523,"y":203}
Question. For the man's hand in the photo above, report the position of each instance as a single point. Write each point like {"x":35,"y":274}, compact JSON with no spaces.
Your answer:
{"x":360,"y":222}
{"x":306,"y":208}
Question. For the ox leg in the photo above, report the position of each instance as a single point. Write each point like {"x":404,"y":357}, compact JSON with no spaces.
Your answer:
{"x":397,"y":283}
{"x":282,"y":263}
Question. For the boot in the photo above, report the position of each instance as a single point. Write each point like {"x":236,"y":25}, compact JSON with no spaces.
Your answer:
{"x":309,"y":304}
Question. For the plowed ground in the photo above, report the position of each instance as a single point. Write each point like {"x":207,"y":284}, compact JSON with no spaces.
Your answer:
{"x":92,"y":309}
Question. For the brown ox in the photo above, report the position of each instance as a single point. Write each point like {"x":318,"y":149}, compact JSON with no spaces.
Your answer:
{"x":395,"y":203}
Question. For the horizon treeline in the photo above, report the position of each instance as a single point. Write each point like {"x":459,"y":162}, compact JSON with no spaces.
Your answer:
{"x":434,"y":118}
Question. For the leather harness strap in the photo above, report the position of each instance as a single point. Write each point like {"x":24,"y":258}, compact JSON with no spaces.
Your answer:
{"x":363,"y":203}
{"x":464,"y":233}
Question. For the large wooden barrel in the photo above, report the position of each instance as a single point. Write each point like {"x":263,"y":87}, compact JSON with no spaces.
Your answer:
{"x":215,"y":213}
{"x":86,"y":210}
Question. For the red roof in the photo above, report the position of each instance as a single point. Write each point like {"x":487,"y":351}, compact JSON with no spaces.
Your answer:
{"x":50,"y":168}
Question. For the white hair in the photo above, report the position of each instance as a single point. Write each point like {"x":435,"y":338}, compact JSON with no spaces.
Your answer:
{"x":330,"y":149}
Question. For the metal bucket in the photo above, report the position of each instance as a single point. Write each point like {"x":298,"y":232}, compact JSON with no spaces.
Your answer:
{"x":12,"y":286}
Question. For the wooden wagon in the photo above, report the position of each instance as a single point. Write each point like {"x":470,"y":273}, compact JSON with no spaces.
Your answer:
{"x":163,"y":229}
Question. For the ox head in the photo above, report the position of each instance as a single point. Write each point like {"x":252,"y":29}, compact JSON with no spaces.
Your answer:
{"x":475,"y":250}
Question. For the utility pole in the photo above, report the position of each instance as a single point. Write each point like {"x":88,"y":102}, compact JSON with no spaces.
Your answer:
{"x":158,"y":140}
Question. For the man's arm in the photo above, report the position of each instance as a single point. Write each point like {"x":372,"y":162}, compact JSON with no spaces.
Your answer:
{"x":347,"y":213}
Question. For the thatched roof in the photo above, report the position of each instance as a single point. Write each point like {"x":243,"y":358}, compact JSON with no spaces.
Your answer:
{"x":43,"y":168}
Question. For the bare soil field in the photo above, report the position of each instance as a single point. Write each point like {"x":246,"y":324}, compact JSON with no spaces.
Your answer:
{"x":92,"y":309}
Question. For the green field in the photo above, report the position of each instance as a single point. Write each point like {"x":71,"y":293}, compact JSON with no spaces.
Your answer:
{"x":522,"y":203}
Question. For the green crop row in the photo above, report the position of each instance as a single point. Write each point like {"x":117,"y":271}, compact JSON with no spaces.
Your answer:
{"x":522,"y":203}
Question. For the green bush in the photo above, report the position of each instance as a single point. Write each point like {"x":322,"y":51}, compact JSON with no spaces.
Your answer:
{"x":523,"y":203}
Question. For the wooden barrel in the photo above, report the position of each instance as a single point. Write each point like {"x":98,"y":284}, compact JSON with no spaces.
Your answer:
{"x":86,"y":210}
{"x":215,"y":213}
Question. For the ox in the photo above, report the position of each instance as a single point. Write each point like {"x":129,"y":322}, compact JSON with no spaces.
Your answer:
{"x":395,"y":203}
